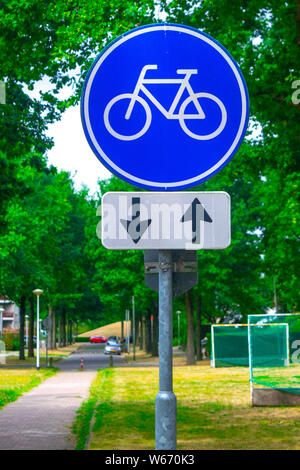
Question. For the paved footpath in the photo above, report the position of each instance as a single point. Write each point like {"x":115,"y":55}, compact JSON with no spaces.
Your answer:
{"x":42,"y":418}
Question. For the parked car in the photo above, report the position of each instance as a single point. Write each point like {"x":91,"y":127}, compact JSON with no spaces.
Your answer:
{"x":113,"y":338}
{"x":124,"y":340}
{"x":124,"y":344}
{"x":98,"y":339}
{"x":113,"y":347}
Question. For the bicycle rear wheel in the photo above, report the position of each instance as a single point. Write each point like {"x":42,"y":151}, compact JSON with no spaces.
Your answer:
{"x":183,"y":117}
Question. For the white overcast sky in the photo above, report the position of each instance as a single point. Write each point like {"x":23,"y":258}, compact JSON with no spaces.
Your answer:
{"x":71,"y":151}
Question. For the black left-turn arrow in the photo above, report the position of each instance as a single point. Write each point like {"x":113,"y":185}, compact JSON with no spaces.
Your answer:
{"x":136,"y":227}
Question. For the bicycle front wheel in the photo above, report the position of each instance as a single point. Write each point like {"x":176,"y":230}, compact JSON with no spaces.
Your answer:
{"x":188,"y":117}
{"x":128,"y":97}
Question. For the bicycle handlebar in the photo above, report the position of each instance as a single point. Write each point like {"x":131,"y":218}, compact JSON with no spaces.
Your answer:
{"x":149,"y":67}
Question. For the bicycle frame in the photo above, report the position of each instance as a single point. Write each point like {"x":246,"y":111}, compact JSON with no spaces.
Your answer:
{"x":184,"y":84}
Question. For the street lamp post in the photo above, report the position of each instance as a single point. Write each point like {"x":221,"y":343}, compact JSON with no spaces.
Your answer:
{"x":128,"y":330}
{"x":26,"y":326}
{"x":37,"y":292}
{"x":178,"y":319}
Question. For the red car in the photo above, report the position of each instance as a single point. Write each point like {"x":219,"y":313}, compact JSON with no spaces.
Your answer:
{"x":98,"y":339}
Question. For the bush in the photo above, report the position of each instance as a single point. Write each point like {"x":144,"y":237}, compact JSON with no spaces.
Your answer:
{"x":16,"y":345}
{"x":10,"y":339}
{"x":80,"y":339}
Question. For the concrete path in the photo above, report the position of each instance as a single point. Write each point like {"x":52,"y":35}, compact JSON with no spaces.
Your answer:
{"x":42,"y":418}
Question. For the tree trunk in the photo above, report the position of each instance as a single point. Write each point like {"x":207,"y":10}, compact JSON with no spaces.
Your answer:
{"x":198,"y":328}
{"x":141,"y":332}
{"x":136,"y":332}
{"x":21,"y":331}
{"x":122,"y":329}
{"x":50,"y":327}
{"x":53,"y":330}
{"x":155,"y":332}
{"x":64,"y":339}
{"x":190,"y":357}
{"x":71,"y":332}
{"x":68,"y":330}
{"x":59,"y":331}
{"x":137,"y":329}
{"x":31,"y":328}
{"x":144,"y":333}
{"x":148,"y":332}
{"x":141,"y":336}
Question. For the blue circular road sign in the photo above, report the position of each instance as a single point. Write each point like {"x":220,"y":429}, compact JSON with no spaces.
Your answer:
{"x":164,"y":107}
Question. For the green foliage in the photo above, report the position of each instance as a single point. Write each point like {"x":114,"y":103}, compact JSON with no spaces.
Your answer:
{"x":60,"y":39}
{"x":81,"y":339}
{"x":263,"y":36}
{"x":118,"y":275}
{"x":16,"y":345}
{"x":10,"y":339}
{"x":48,"y":230}
{"x":43,"y":244}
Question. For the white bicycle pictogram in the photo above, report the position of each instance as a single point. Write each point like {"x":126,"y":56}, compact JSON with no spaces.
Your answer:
{"x":169,"y":114}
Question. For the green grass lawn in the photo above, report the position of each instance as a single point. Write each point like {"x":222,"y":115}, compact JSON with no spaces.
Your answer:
{"x":55,"y":354}
{"x":280,"y":377}
{"x":14,"y":382}
{"x":213,"y":412}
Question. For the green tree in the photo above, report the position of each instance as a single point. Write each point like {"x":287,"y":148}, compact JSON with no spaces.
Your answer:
{"x":118,"y":274}
{"x":264,"y":38}
{"x":44,"y":241}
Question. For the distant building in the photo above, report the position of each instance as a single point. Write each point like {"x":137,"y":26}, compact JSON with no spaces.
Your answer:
{"x":11,"y":313}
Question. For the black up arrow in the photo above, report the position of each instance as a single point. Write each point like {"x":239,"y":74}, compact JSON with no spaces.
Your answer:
{"x":135,"y":227}
{"x":195,"y":213}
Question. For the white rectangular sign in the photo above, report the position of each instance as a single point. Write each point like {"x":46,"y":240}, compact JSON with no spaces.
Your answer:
{"x":160,"y":220}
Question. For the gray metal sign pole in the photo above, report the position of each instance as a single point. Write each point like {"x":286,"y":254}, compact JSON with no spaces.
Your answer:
{"x":165,"y":402}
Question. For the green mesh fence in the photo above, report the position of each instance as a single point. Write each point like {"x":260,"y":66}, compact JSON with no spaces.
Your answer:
{"x":229,"y":345}
{"x":274,"y":351}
